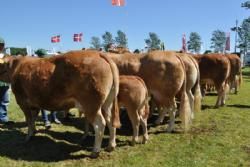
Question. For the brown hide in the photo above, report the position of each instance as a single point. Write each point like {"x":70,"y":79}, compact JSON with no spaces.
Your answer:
{"x":235,"y":71}
{"x":193,"y":81}
{"x":133,"y":96}
{"x":57,"y":83}
{"x":162,"y":72}
{"x":215,"y":69}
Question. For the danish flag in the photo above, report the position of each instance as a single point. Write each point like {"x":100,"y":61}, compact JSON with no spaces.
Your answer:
{"x":118,"y":2}
{"x":77,"y":37}
{"x":55,"y":39}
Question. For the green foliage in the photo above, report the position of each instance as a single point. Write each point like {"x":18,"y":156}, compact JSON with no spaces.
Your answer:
{"x":107,"y":40}
{"x":207,"y":51}
{"x":218,"y":41}
{"x":41,"y":52}
{"x":244,"y":35}
{"x":137,"y":51}
{"x":96,"y":43}
{"x":246,"y":5}
{"x":121,"y":39}
{"x":18,"y":51}
{"x":194,"y":43}
{"x":153,"y":42}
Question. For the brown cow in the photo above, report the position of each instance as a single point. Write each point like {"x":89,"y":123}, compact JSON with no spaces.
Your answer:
{"x":235,"y":77}
{"x":193,"y":85}
{"x":85,"y":79}
{"x":165,"y":77}
{"x":215,"y":70}
{"x":133,"y":95}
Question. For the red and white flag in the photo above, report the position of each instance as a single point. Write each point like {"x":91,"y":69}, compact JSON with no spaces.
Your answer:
{"x":55,"y":39}
{"x":77,"y":37}
{"x":184,"y":44}
{"x":118,"y":2}
{"x":227,"y":42}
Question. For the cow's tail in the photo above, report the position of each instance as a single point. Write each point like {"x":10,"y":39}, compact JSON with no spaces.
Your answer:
{"x":146,"y":112}
{"x":115,"y":118}
{"x":185,"y":109}
{"x":197,"y":89}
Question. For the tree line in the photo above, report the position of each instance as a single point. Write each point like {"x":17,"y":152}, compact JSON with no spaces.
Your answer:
{"x":194,"y":43}
{"x":153,"y":42}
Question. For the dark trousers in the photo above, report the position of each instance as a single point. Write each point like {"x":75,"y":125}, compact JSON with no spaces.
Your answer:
{"x":45,"y":114}
{"x":4,"y":102}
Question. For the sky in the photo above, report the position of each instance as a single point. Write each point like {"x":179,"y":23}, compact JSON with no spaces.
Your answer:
{"x":34,"y":22}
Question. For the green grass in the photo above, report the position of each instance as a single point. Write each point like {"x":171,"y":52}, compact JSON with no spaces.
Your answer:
{"x":218,"y":137}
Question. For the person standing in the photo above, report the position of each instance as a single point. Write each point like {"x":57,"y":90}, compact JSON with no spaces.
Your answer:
{"x":4,"y":93}
{"x":46,"y":119}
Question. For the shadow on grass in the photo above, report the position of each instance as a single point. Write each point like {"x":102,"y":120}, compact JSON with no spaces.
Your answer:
{"x":52,"y":147}
{"x":39,"y":148}
{"x":211,"y":94}
{"x":204,"y":107}
{"x":239,"y":106}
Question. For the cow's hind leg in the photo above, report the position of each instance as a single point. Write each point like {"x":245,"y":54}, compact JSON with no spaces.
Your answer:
{"x":99,"y":126}
{"x":171,"y":123}
{"x":107,"y":107}
{"x":143,"y":122}
{"x":135,"y":121}
{"x":162,"y":114}
{"x":31,"y":117}
{"x":191,"y":102}
{"x":220,"y":94}
{"x":224,"y":94}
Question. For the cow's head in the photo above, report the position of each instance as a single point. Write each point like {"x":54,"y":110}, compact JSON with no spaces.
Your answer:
{"x":7,"y":65}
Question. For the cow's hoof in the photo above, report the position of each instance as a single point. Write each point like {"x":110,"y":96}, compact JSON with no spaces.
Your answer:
{"x":110,"y":149}
{"x":94,"y":155}
{"x":145,"y":140}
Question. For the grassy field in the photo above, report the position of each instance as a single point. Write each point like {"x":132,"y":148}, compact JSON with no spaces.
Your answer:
{"x":218,"y":137}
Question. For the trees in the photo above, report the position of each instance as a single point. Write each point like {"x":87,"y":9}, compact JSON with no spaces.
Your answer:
{"x":18,"y":51}
{"x":96,"y":43}
{"x":41,"y":52}
{"x":246,"y":5}
{"x":194,"y":43}
{"x":107,"y":40}
{"x":121,"y":39}
{"x":244,"y":35}
{"x":153,"y":42}
{"x":218,"y":41}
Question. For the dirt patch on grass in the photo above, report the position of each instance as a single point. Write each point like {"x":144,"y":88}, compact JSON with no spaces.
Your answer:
{"x":246,"y":149}
{"x":207,"y":130}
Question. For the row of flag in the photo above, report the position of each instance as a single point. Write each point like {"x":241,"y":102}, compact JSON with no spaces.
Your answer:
{"x":76,"y":38}
{"x":184,"y":43}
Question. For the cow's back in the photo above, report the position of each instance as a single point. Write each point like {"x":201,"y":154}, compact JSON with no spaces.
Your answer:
{"x":53,"y":83}
{"x":162,"y":72}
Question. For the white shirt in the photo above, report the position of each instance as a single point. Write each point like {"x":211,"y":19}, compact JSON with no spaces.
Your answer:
{"x":1,"y":55}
